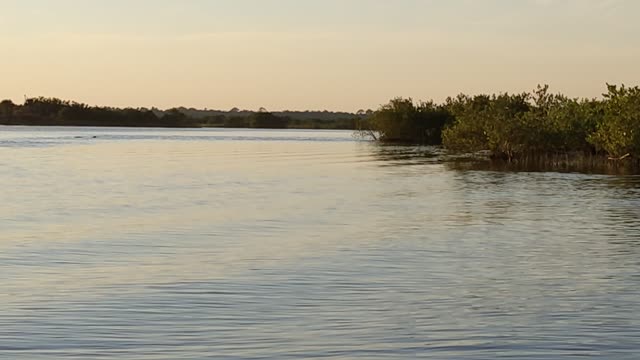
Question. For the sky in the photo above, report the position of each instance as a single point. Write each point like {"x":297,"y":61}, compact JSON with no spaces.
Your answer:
{"x":341,"y":55}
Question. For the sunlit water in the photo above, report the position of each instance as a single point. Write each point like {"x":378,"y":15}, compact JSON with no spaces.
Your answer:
{"x":238,"y":244}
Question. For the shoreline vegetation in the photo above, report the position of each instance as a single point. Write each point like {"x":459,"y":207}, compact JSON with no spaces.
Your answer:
{"x":43,"y":111}
{"x":537,"y":128}
{"x":530,"y":129}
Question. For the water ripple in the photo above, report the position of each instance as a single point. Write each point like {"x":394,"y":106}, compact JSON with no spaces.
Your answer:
{"x":234,"y":244}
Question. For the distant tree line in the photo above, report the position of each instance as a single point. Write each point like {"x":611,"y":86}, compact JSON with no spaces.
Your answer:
{"x":53,"y":111}
{"x":514,"y":126}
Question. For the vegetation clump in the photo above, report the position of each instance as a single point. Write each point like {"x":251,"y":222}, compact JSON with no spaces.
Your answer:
{"x":519,"y":126}
{"x":404,"y":121}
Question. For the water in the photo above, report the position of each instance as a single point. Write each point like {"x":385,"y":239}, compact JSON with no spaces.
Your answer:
{"x":240,"y":244}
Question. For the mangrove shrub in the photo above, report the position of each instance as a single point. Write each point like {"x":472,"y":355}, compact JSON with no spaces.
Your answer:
{"x":519,"y":125}
{"x":401,"y":120}
{"x":618,"y":130}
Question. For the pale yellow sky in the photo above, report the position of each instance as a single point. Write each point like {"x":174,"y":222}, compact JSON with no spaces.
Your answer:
{"x":311,"y":54}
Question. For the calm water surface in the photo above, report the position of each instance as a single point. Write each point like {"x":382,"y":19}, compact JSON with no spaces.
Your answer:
{"x":237,"y":244}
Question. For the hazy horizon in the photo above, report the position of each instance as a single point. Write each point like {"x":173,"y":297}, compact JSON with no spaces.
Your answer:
{"x":311,"y":55}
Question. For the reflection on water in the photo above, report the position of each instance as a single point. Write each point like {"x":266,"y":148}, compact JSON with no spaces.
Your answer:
{"x":553,"y":163}
{"x":151,"y":243}
{"x":394,"y":155}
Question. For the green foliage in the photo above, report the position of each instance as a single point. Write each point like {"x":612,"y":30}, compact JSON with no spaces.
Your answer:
{"x":467,"y":133}
{"x":519,"y":125}
{"x":516,"y":125}
{"x":618,"y":131}
{"x":498,"y":123}
{"x":403,"y":121}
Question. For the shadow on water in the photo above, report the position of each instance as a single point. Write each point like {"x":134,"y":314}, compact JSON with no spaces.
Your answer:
{"x":558,"y":164}
{"x":403,"y":155}
{"x":398,"y":155}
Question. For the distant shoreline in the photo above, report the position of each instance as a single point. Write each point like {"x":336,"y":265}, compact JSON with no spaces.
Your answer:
{"x":167,"y":127}
{"x":56,"y":112}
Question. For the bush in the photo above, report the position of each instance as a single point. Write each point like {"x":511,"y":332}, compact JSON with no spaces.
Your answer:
{"x":403,"y":121}
{"x":513,"y":126}
{"x":618,"y":131}
{"x":495,"y":123}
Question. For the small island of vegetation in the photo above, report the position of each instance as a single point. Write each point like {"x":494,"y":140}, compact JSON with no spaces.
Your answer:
{"x":536,"y":126}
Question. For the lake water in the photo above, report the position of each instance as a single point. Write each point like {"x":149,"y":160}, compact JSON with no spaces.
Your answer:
{"x":255,"y":244}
